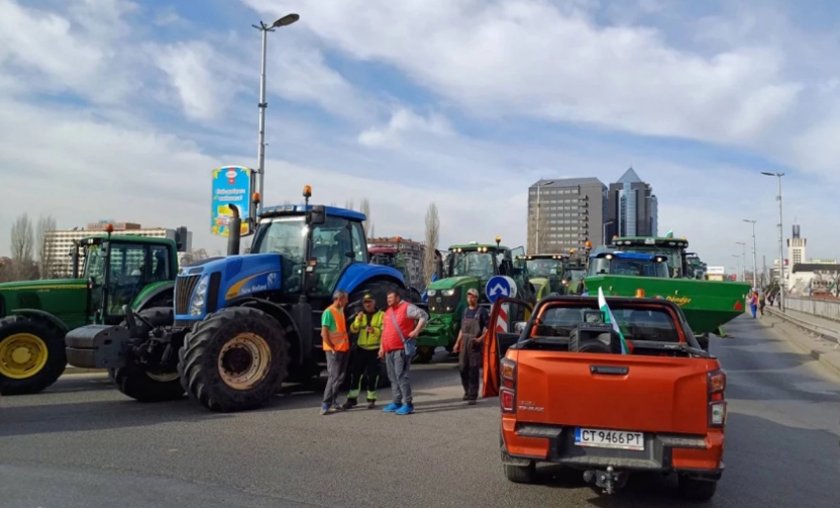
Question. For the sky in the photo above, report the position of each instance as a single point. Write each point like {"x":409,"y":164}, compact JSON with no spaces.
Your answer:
{"x":113,"y":109}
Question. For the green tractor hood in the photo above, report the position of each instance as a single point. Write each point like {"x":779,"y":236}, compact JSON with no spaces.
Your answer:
{"x":66,"y":299}
{"x":455,"y":282}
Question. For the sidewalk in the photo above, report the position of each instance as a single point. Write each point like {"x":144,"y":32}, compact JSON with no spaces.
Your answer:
{"x":817,"y":336}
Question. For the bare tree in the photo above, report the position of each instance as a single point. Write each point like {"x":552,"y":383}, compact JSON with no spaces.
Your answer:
{"x":22,"y":246}
{"x":46,"y":223}
{"x":364,"y":207}
{"x":432,"y":236}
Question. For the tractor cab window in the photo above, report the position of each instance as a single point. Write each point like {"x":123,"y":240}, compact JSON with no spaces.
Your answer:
{"x":333,"y":248}
{"x":95,"y":263}
{"x":285,"y":236}
{"x":159,"y":269}
{"x":357,"y":234}
{"x":545,"y":267}
{"x":129,"y":271}
{"x":472,"y":263}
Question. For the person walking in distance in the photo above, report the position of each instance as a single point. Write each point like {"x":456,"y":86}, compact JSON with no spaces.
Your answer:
{"x":336,"y":344}
{"x":753,"y":303}
{"x":469,"y":344}
{"x":761,"y":302}
{"x":401,"y":325}
{"x":364,"y":360}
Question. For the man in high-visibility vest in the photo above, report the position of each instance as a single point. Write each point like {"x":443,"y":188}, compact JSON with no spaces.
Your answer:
{"x":336,"y":344}
{"x":364,"y":360}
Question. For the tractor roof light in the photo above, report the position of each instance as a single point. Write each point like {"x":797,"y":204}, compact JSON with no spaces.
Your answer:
{"x":307,"y":191}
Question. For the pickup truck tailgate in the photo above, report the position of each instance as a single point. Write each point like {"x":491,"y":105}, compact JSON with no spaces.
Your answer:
{"x":610,"y":391}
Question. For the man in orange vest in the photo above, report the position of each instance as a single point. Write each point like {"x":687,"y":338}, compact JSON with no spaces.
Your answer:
{"x":336,"y":344}
{"x":401,"y":324}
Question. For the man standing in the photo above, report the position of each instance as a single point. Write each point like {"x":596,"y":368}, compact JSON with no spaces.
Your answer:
{"x":364,"y":360}
{"x":469,"y":345}
{"x":398,"y":328}
{"x":336,"y":344}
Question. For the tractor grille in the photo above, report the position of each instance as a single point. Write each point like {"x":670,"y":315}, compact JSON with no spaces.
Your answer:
{"x":183,"y":291}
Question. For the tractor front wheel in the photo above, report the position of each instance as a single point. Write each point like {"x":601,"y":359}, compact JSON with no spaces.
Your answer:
{"x":234,"y":360}
{"x":146,"y":383}
{"x":32,"y":354}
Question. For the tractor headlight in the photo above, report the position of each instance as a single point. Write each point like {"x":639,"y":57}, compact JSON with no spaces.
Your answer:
{"x":448,"y":292}
{"x":432,"y":292}
{"x":199,"y":297}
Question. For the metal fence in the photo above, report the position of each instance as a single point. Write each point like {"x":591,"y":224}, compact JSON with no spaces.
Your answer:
{"x":823,"y":308}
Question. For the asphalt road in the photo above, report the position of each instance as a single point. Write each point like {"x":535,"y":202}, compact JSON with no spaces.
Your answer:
{"x":82,"y":444}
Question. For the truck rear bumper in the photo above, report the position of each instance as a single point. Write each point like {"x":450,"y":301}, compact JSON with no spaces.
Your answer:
{"x":699,"y":455}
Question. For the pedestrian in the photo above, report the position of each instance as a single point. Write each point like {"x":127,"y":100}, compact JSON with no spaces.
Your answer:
{"x":364,"y":359}
{"x":336,"y":344}
{"x":401,"y":326}
{"x":469,"y":345}
{"x":761,"y":302}
{"x":753,"y":303}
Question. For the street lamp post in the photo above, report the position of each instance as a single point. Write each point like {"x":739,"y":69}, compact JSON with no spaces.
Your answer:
{"x":781,"y":242}
{"x":257,"y":199}
{"x":738,"y":257}
{"x":743,"y":261}
{"x":537,"y":225}
{"x":755,"y":264}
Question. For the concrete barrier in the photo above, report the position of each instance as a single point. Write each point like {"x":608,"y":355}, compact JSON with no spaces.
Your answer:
{"x":828,"y":309}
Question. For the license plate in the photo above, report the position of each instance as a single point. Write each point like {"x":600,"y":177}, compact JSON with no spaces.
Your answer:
{"x":603,"y":438}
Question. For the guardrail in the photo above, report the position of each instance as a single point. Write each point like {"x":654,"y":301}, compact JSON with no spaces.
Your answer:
{"x":829,"y":309}
{"x":820,"y":331}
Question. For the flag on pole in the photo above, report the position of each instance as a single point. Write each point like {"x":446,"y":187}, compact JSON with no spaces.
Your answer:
{"x":626,"y":345}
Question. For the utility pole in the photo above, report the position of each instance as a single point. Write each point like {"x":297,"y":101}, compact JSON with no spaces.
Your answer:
{"x":781,"y":241}
{"x":755,"y":264}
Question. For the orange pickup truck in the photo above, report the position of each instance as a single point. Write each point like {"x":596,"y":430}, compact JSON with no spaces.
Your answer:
{"x":570,"y":397}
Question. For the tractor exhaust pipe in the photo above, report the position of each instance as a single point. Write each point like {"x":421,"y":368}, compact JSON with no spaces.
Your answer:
{"x":234,"y":231}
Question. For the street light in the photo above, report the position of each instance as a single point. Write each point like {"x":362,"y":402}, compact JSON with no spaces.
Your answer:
{"x":781,"y":242}
{"x":257,"y":200}
{"x":755,"y":264}
{"x":738,"y":257}
{"x":537,"y":227}
{"x":743,"y":260}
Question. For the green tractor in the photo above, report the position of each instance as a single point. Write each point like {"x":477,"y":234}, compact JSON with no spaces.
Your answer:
{"x":35,"y":316}
{"x":547,"y":273}
{"x":468,"y":266}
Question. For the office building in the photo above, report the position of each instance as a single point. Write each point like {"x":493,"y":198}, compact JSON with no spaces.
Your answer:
{"x":796,"y":246}
{"x":564,"y":213}
{"x":631,"y":207}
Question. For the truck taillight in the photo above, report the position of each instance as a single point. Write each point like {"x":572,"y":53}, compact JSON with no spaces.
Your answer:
{"x":717,"y":404}
{"x":507,"y":393}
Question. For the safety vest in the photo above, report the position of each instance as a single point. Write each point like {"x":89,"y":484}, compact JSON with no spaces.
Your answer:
{"x":391,"y":340}
{"x":339,"y":337}
{"x":369,"y":341}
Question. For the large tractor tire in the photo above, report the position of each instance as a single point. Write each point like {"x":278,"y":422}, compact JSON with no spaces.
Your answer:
{"x":379,"y":289}
{"x":424,"y":354}
{"x":599,"y":344}
{"x":32,"y":354}
{"x":141,"y":382}
{"x":234,"y":360}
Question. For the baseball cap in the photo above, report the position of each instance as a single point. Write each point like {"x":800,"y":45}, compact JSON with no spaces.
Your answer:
{"x":472,"y":291}
{"x":368,"y":297}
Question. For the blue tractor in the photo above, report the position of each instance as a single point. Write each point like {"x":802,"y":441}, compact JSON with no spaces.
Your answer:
{"x":242,"y":324}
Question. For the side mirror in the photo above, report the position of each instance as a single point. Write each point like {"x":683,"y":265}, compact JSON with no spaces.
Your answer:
{"x":350,"y":254}
{"x":317,"y":215}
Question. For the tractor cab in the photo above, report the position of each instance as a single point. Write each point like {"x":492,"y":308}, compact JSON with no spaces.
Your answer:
{"x":317,"y":245}
{"x":547,"y":273}
{"x":633,"y":264}
{"x":118,"y":268}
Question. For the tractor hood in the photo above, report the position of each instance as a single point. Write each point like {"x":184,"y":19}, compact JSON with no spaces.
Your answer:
{"x":43,"y":285}
{"x":201,"y":289}
{"x":455,"y":282}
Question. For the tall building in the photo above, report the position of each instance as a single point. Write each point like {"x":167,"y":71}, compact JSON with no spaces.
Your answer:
{"x":60,"y":243}
{"x":796,"y":247}
{"x":631,"y":207}
{"x":564,"y":213}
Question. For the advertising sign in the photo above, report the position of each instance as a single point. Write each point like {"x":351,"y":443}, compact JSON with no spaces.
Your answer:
{"x":231,"y":186}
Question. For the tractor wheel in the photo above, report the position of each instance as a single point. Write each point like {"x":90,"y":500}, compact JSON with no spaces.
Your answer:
{"x":141,"y":382}
{"x":234,"y":360}
{"x":600,"y":344}
{"x":378,"y":288}
{"x":424,"y":354}
{"x":32,"y":354}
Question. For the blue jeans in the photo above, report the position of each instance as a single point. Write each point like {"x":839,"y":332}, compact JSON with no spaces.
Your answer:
{"x":398,"y":365}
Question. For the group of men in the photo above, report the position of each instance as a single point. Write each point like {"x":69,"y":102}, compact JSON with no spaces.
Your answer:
{"x":390,"y":335}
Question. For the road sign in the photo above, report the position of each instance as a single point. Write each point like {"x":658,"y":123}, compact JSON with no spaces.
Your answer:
{"x":231,"y":186}
{"x":500,"y":286}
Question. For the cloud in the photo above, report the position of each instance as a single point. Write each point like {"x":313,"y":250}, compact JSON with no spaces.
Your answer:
{"x":405,"y":122}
